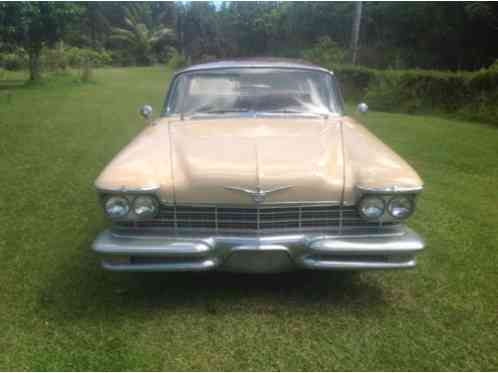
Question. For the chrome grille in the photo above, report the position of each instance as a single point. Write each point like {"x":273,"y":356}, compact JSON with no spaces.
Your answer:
{"x":263,"y":218}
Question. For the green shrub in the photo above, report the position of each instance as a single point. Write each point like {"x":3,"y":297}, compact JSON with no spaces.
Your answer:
{"x":416,"y":90}
{"x":470,"y":95}
{"x":81,"y":56}
{"x":354,"y":80}
{"x":122,"y":58}
{"x":60,"y":57}
{"x":16,"y":60}
{"x":54,"y":59}
{"x":325,"y":52}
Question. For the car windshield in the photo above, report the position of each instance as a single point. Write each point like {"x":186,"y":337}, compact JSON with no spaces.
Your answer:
{"x":255,"y":90}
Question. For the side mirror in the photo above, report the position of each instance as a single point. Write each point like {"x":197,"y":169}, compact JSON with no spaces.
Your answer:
{"x":146,"y":111}
{"x":362,"y":107}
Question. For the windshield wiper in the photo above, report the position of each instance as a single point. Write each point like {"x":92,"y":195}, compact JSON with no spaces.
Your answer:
{"x":223,"y":111}
{"x":290,"y":111}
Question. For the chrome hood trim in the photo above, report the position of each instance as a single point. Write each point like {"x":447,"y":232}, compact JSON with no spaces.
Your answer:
{"x":258,"y":195}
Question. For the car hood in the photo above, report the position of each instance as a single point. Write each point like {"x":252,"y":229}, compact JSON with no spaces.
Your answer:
{"x":228,"y":160}
{"x":224,"y":160}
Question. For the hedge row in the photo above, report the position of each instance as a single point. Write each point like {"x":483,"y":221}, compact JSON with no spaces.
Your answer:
{"x":61,"y":57}
{"x":471,"y":95}
{"x":57,"y":58}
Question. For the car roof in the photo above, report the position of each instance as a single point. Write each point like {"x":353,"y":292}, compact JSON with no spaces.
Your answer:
{"x":269,"y":62}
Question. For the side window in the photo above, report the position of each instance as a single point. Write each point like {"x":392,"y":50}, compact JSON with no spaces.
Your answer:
{"x":174,"y":99}
{"x":336,"y":100}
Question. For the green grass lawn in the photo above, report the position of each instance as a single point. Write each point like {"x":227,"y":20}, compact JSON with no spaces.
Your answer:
{"x":60,"y":311}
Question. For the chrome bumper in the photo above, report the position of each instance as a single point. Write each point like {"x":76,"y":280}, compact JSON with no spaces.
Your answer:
{"x":123,"y":251}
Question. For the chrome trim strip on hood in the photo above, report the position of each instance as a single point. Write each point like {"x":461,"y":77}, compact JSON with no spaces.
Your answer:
{"x":261,"y":205}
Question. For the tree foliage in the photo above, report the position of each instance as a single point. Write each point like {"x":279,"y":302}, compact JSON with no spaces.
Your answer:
{"x":325,"y":52}
{"x":451,"y":35}
{"x":139,"y":35}
{"x":35,"y":24}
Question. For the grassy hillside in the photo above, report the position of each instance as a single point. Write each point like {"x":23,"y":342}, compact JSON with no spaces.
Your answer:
{"x":60,"y":311}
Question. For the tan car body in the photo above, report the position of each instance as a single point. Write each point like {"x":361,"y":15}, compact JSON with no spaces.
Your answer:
{"x":192,"y":161}
{"x":257,"y":192}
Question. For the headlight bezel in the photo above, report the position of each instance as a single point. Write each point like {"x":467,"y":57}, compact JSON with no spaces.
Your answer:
{"x":372,"y":198}
{"x":130,"y":199}
{"x":150,"y":214}
{"x":121,"y":198}
{"x":411,"y":208}
{"x":387,"y":199}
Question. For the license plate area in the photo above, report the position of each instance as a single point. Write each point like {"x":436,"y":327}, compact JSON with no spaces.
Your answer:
{"x":261,"y":259}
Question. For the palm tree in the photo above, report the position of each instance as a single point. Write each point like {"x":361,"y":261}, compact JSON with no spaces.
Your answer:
{"x":95,"y":21}
{"x":140,"y":37}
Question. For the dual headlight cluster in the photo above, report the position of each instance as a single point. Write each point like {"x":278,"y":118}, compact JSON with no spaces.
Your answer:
{"x":398,"y":207}
{"x":120,"y":207}
{"x":371,"y":207}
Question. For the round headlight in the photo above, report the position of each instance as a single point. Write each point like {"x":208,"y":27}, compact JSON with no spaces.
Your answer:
{"x":400,"y":207}
{"x":145,"y":206}
{"x":372,"y":207}
{"x":117,"y":207}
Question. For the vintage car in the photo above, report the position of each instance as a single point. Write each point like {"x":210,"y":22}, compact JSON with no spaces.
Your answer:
{"x":253,"y":166}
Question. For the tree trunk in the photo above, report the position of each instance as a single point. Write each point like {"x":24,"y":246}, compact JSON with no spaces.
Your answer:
{"x":34,"y":63}
{"x":356,"y":31}
{"x":93,"y":34}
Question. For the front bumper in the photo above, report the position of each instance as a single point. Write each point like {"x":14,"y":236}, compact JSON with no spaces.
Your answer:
{"x":124,"y":251}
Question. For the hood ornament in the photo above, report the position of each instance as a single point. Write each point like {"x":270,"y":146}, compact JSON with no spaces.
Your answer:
{"x":258,"y":195}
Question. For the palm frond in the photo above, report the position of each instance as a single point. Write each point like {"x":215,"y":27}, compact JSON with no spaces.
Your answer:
{"x":122,"y":34}
{"x":130,"y":22}
{"x":163,"y":34}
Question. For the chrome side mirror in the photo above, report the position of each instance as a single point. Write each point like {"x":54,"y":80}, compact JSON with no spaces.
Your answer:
{"x":146,"y":111}
{"x":362,"y":107}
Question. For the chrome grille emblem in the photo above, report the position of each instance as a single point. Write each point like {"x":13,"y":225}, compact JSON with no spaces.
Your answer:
{"x":258,"y":195}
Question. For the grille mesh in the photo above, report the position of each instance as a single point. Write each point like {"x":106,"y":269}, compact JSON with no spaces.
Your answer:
{"x":264,"y":218}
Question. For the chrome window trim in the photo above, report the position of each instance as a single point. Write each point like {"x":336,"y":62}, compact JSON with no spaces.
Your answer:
{"x":174,"y":82}
{"x":252,"y":65}
{"x":263,"y":114}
